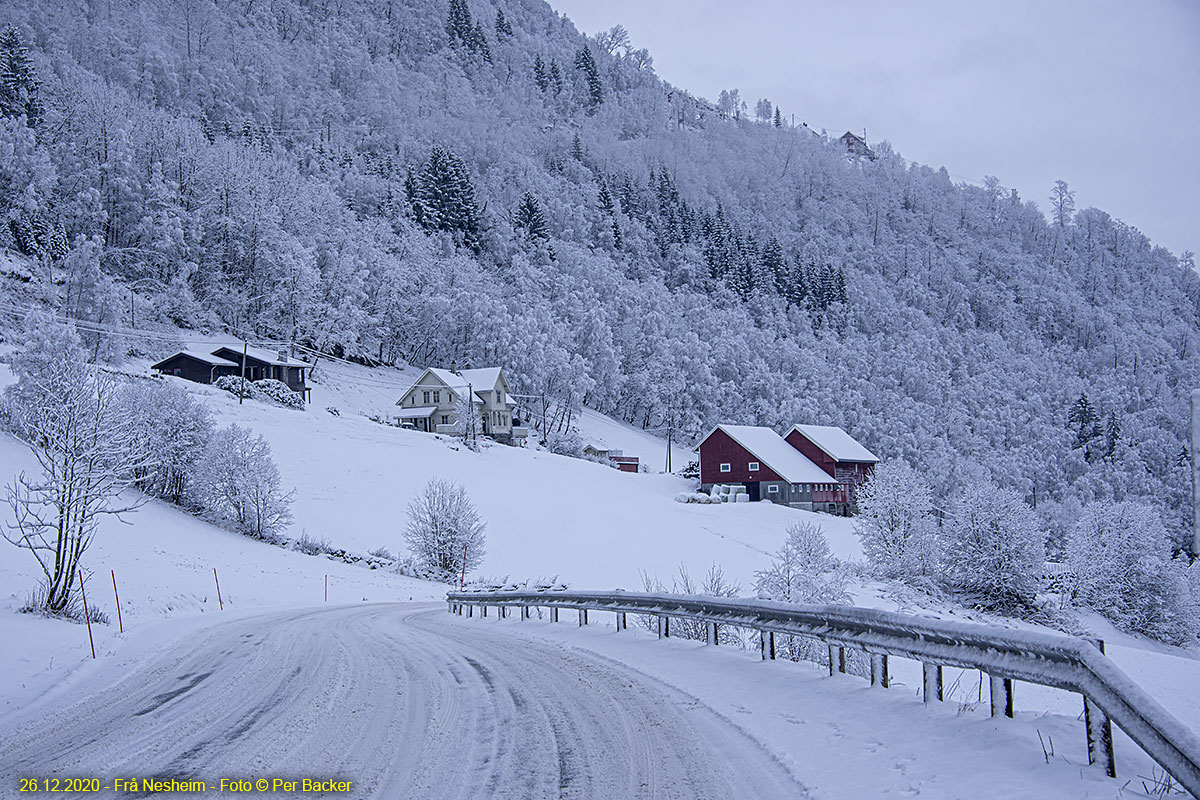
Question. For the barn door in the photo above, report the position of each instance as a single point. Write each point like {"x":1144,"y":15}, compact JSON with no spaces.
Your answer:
{"x":752,"y":490}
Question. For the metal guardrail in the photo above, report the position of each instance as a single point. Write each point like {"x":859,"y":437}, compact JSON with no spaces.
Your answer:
{"x":1063,"y":662}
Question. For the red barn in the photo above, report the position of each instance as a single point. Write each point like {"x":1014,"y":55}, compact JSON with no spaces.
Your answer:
{"x":760,"y":460}
{"x":837,"y":453}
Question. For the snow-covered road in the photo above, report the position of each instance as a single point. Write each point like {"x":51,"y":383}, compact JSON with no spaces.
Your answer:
{"x":403,"y":702}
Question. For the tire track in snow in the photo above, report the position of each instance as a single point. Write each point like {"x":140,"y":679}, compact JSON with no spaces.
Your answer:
{"x":404,"y":701}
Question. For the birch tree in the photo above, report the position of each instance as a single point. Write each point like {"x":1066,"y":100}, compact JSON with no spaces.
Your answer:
{"x":69,"y":414}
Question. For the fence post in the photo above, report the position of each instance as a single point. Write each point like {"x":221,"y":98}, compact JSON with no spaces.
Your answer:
{"x":1002,"y":696}
{"x":932,"y":674}
{"x":120,"y":622}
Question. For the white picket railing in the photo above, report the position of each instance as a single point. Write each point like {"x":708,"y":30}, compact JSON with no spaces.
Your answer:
{"x":1063,"y":662}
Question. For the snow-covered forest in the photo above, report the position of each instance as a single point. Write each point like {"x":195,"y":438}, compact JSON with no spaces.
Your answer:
{"x":428,"y":181}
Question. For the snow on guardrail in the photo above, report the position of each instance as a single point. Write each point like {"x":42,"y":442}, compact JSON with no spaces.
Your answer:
{"x":1064,"y":662}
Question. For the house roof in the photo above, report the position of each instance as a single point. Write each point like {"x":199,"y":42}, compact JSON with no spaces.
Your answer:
{"x":480,"y":380}
{"x":265,"y":356}
{"x":198,"y":355}
{"x":840,"y":445}
{"x":771,"y":449}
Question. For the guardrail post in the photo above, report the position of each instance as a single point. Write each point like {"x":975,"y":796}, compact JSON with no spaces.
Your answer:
{"x":582,"y":617}
{"x":1002,"y":696}
{"x":1099,"y":736}
{"x":762,"y":644}
{"x":710,"y":633}
{"x":554,"y":613}
{"x":879,"y":667}
{"x":932,"y":674}
{"x":842,"y":660}
{"x":832,"y":658}
{"x":524,"y":613}
{"x":483,"y":613}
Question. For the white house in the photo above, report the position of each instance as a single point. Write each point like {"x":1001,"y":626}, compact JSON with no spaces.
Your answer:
{"x":432,"y":403}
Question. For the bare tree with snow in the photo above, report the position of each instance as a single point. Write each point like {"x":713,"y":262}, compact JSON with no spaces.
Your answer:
{"x":70,"y":415}
{"x":994,"y":548}
{"x":237,"y":480}
{"x":444,"y":531}
{"x":895,"y":523}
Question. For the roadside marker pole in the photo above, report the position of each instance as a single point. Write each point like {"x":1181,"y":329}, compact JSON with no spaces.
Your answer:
{"x":326,"y":588}
{"x":118,"y":597}
{"x":462,"y":583}
{"x":86,"y":616}
{"x":218,"y":582}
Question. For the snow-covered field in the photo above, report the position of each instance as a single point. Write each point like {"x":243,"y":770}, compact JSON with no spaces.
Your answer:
{"x":548,"y":516}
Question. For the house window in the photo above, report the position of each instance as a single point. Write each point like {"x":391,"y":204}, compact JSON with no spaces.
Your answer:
{"x":752,"y":466}
{"x":726,"y":468}
{"x":772,"y":489}
{"x":445,"y":419}
{"x":437,"y":397}
{"x":426,"y":400}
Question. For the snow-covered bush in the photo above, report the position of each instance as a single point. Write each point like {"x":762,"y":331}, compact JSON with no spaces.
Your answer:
{"x":895,"y":522}
{"x":171,"y":433}
{"x":444,"y":531}
{"x":266,"y":389}
{"x":237,"y":481}
{"x":803,"y":571}
{"x":714,"y":584}
{"x":1120,"y":561}
{"x":565,"y":444}
{"x":994,"y":549}
{"x":277,"y":392}
{"x":234,"y":384}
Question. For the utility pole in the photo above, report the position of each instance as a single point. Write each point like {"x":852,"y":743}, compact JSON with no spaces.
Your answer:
{"x":471,"y":413}
{"x":670,"y":430}
{"x":242,"y":382}
{"x":1195,"y":473}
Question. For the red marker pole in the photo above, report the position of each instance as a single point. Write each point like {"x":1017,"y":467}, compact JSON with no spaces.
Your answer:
{"x":86,"y":617}
{"x":118,"y":597}
{"x":218,"y":582}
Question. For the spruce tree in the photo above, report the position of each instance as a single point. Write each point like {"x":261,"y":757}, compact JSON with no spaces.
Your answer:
{"x":556,"y":80}
{"x":445,"y":198}
{"x":1084,"y":421}
{"x":540,"y":78}
{"x":586,"y":63}
{"x":778,"y":118}
{"x":529,"y":219}
{"x":503,"y":28}
{"x":18,"y":82}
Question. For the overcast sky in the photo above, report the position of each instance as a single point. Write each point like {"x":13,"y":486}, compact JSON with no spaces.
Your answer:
{"x":1101,"y":93}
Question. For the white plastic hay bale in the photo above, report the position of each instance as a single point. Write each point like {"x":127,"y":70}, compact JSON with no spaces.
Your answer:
{"x":684,"y":497}
{"x":742,"y":497}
